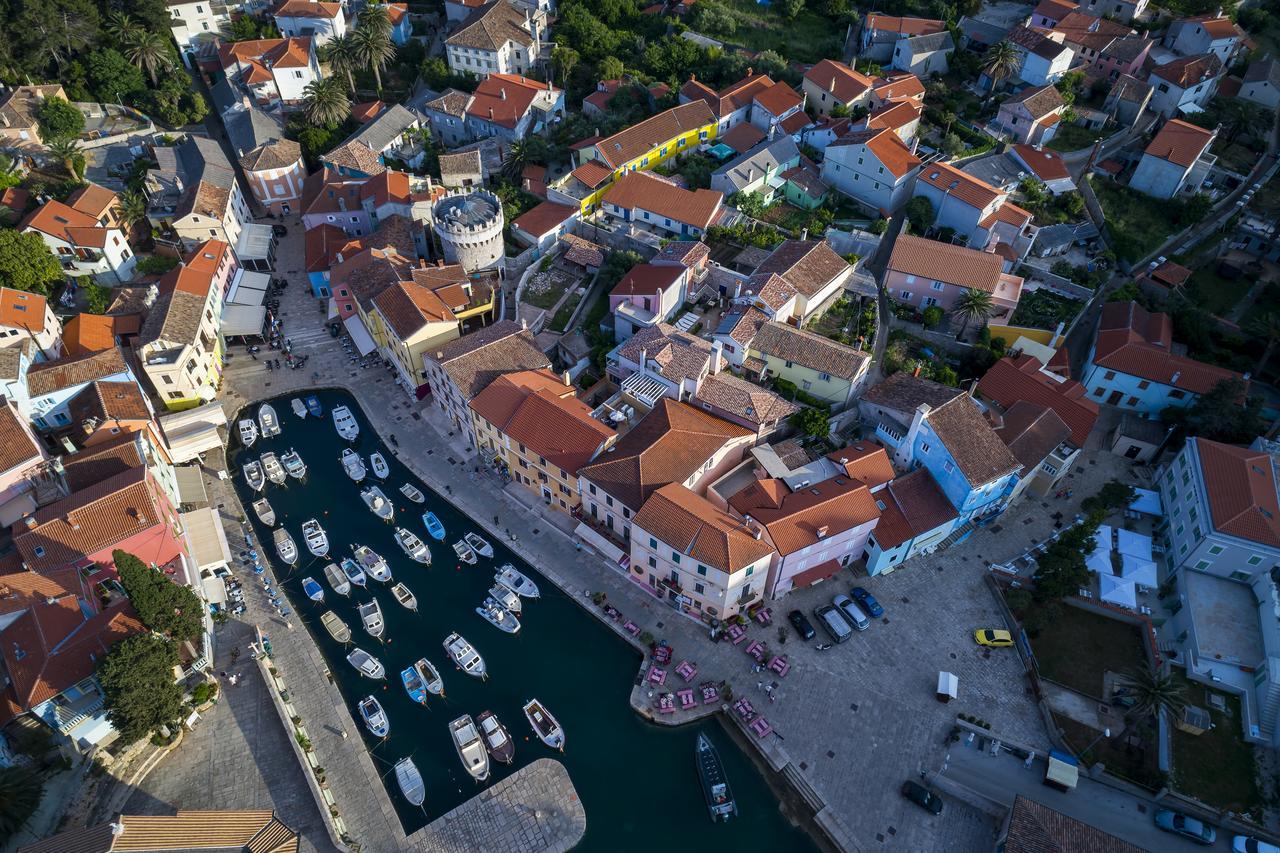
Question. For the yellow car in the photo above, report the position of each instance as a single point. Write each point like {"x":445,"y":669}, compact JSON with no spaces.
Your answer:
{"x":993,"y":637}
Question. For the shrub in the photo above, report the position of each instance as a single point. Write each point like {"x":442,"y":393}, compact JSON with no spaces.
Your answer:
{"x":932,"y":316}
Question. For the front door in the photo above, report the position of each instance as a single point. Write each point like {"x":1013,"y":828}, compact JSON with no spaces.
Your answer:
{"x":1115,"y":398}
{"x":1132,"y":452}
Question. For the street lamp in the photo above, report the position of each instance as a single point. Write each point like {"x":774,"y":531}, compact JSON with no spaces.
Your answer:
{"x":1105,"y":733}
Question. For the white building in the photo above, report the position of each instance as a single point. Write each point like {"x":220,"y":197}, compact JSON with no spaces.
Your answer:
{"x":83,"y":245}
{"x":497,"y":38}
{"x":1178,"y":158}
{"x":25,"y":315}
{"x":873,"y":167}
{"x":275,"y":71}
{"x":196,"y":24}
{"x":1185,"y":84}
{"x":323,"y":22}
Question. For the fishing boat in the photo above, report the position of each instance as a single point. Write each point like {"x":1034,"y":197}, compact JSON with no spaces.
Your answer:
{"x":372,"y":563}
{"x":413,"y":546}
{"x":413,"y":494}
{"x":496,"y":737}
{"x":274,"y":471}
{"x":253,"y":475}
{"x":335,"y":626}
{"x":516,"y":581}
{"x":293,"y":464}
{"x":353,"y":465}
{"x":299,"y":408}
{"x":410,"y":781}
{"x":465,"y":552}
{"x":381,"y":469}
{"x":470,"y":747}
{"x":430,"y":676}
{"x":313,"y":406}
{"x":371,"y":618}
{"x":312,"y":588}
{"x":369,"y":666}
{"x":352,"y":570}
{"x":715,"y":785}
{"x":375,"y":719}
{"x":315,"y":537}
{"x":465,"y":656}
{"x":248,"y":432}
{"x":268,"y":421}
{"x":285,"y":546}
{"x":337,"y":579}
{"x":413,"y":685}
{"x":377,"y":503}
{"x":405,"y":596}
{"x":506,"y":598}
{"x":544,"y":725}
{"x":480,"y":544}
{"x":434,"y":527}
{"x":345,"y":423}
{"x":262,"y":508}
{"x":498,"y":616}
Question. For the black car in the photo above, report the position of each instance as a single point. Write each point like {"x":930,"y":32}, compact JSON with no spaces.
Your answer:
{"x":922,"y":797}
{"x":802,"y":625}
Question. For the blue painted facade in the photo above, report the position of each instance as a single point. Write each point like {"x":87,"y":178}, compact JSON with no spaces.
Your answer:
{"x":1127,"y":392}
{"x":881,"y":560}
{"x":971,"y":500}
{"x":319,"y":282}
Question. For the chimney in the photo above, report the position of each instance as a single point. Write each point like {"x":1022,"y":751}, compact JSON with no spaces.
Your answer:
{"x":758,"y":532}
{"x":491,"y":113}
{"x":804,"y":233}
{"x":568,"y":381}
{"x":439,"y":354}
{"x":750,"y":71}
{"x":30,"y":521}
{"x":751,"y":174}
{"x":822,"y":531}
{"x":717,"y":357}
{"x":502,"y":93}
{"x":904,"y":450}
{"x":1176,"y":377}
{"x":916,"y":372}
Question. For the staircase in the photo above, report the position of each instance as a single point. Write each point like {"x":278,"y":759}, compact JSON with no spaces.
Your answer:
{"x":958,"y":535}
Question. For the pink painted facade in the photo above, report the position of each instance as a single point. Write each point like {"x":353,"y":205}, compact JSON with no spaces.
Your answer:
{"x":278,"y":190}
{"x":25,"y":454}
{"x":1111,"y":66}
{"x":922,"y":293}
{"x":844,"y":547}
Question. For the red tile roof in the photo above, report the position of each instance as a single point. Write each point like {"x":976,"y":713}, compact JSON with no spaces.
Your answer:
{"x":1133,"y":341}
{"x":700,"y":530}
{"x":742,"y":138}
{"x":946,"y":262}
{"x":17,"y":446}
{"x":778,"y":98}
{"x":536,"y":408}
{"x":958,"y":184}
{"x":641,"y":189}
{"x":901,"y":86}
{"x":890,"y":150}
{"x":865,"y":462}
{"x":844,"y":83}
{"x":906,"y":26}
{"x":67,"y":224}
{"x":593,"y":173}
{"x":896,"y":116}
{"x":85,"y":333}
{"x":1180,"y":143}
{"x":639,"y":139}
{"x":20,"y":309}
{"x":543,"y":218}
{"x":1189,"y":70}
{"x":648,"y":280}
{"x":1046,"y":165}
{"x":505,"y":98}
{"x":1241,"y":487}
{"x":809,"y":515}
{"x":914,"y":504}
{"x":1020,"y":377}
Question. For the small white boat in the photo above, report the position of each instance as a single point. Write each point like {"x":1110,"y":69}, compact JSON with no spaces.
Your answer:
{"x":465,"y":552}
{"x":377,"y":503}
{"x":312,"y":588}
{"x":337,"y":579}
{"x":335,"y":626}
{"x":253,"y":475}
{"x":496,"y":737}
{"x":274,"y":471}
{"x":470,"y":747}
{"x":268,"y":421}
{"x":480,"y":544}
{"x":293,"y":464}
{"x":315,"y":537}
{"x":465,"y":656}
{"x":506,"y":598}
{"x":405,"y":596}
{"x":372,"y":563}
{"x":248,"y":432}
{"x":371,"y":618}
{"x":353,"y":465}
{"x":519,"y":583}
{"x":375,"y":719}
{"x":299,"y":407}
{"x":413,"y":546}
{"x":369,"y":666}
{"x":430,"y":676}
{"x":381,"y":469}
{"x":345,"y":423}
{"x":410,"y":781}
{"x":352,"y":570}
{"x":285,"y":546}
{"x":498,"y":616}
{"x":413,"y":494}
{"x":544,"y":725}
{"x":262,"y":508}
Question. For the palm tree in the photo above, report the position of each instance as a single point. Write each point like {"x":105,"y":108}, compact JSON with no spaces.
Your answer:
{"x":344,"y":57}
{"x":1155,"y":691}
{"x":67,"y":151}
{"x":515,"y":161}
{"x":1000,"y":60}
{"x":1267,"y":329}
{"x":120,"y":27}
{"x":374,"y":17}
{"x":20,"y":793}
{"x":375,"y":50}
{"x":973,"y":305}
{"x":325,"y":102}
{"x":149,"y":51}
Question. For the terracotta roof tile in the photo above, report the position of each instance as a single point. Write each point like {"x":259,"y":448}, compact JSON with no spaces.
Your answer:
{"x":1180,"y":143}
{"x":973,"y":445}
{"x":247,"y":831}
{"x":1020,"y":378}
{"x":742,"y":138}
{"x":109,"y":401}
{"x":410,"y":307}
{"x":644,"y":190}
{"x":745,"y":400}
{"x":49,"y":376}
{"x":1045,"y":164}
{"x":1032,"y":432}
{"x":647,"y":280}
{"x":544,"y":218}
{"x":504,"y":99}
{"x":904,"y":85}
{"x":946,"y":262}
{"x":20,"y":309}
{"x":865,"y":462}
{"x":905,"y":26}
{"x":970,"y":190}
{"x":1133,"y":341}
{"x":537,"y":409}
{"x":1040,"y":101}
{"x":895,"y":116}
{"x":886,"y":146}
{"x":1241,"y":487}
{"x":914,"y":504}
{"x":97,"y":201}
{"x":638,"y":139}
{"x":902,"y":392}
{"x":102,"y":461}
{"x":593,"y":173}
{"x":810,"y":350}
{"x":778,"y":98}
{"x":1036,"y":828}
{"x":17,"y":446}
{"x":844,"y":83}
{"x":65,"y":223}
{"x":811,"y":514}
{"x":807,"y":265}
{"x":473,"y":361}
{"x":490,"y":27}
{"x":700,"y":530}
{"x":1189,"y":70}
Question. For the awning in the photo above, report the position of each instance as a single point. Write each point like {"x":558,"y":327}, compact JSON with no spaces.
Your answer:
{"x":598,"y":541}
{"x":1147,"y":502}
{"x":206,"y":537}
{"x":1118,"y":591}
{"x":243,"y":320}
{"x":817,"y":574}
{"x":1063,"y":770}
{"x":948,"y":685}
{"x":192,"y":432}
{"x":248,"y":288}
{"x":1135,"y":544}
{"x":359,"y":335}
{"x":191,"y":485}
{"x":254,"y":241}
{"x":1139,"y":571}
{"x":215,"y":590}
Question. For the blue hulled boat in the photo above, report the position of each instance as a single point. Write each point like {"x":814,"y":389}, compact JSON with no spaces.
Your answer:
{"x":413,"y":685}
{"x":434,"y":527}
{"x":314,"y":407}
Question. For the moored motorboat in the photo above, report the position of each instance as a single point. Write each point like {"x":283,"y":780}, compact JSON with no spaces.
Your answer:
{"x":371,"y":618}
{"x":345,"y":423}
{"x":465,"y":552}
{"x":545,"y":726}
{"x":375,"y":719}
{"x":498,"y":616}
{"x":248,"y":432}
{"x":314,"y":591}
{"x":465,"y":656}
{"x":262,"y":508}
{"x":335,"y":626}
{"x":372,"y":563}
{"x":430,"y":676}
{"x":479,"y":544}
{"x":352,"y":570}
{"x":313,"y":406}
{"x":506,"y":598}
{"x":368,"y":665}
{"x":413,"y":546}
{"x":285,"y":546}
{"x":377,"y":503}
{"x":471,"y":751}
{"x":271,"y":466}
{"x":253,"y":475}
{"x":410,"y":781}
{"x":496,"y":737}
{"x":268,"y":421}
{"x":337,"y":579}
{"x":315,"y":537}
{"x":434,"y":528}
{"x":715,"y":785}
{"x":381,"y":469}
{"x":516,"y":581}
{"x":413,"y":685}
{"x":299,"y":408}
{"x":353,"y":465}
{"x":293,"y":464}
{"x":412,"y":493}
{"x":405,"y":596}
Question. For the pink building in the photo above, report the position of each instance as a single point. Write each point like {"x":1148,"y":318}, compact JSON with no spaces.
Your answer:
{"x":1122,"y":56}
{"x":21,"y":456}
{"x":922,"y":273}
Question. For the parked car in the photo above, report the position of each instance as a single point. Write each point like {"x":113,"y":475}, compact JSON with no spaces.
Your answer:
{"x":868,"y":602}
{"x":922,"y":797}
{"x":852,"y":612}
{"x":802,"y":625}
{"x":834,"y":623}
{"x":1245,"y":844}
{"x":1186,"y":826}
{"x":996,"y":637}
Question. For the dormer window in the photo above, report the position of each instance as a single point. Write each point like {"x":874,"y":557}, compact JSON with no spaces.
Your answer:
{"x":39,"y":551}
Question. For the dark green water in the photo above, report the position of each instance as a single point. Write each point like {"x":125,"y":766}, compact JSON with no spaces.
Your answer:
{"x":637,"y":781}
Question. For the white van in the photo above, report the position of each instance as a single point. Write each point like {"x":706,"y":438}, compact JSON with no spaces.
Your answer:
{"x":834,"y":623}
{"x":852,"y":612}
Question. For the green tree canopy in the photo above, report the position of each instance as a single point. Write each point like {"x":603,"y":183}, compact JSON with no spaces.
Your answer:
{"x":1220,"y":415}
{"x":920,"y":214}
{"x":112,"y":78}
{"x":163,"y":606}
{"x":26,"y":262}
{"x":1061,"y":569}
{"x":59,"y":119}
{"x":21,"y":791}
{"x":812,"y":422}
{"x":137,"y":683}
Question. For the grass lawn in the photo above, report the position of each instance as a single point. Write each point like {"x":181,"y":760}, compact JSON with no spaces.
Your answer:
{"x":808,"y":38}
{"x":559,"y":321}
{"x":545,"y":287}
{"x":1075,"y":647}
{"x":1217,"y":767}
{"x":1216,"y":294}
{"x":1073,"y":137}
{"x":1137,"y":765}
{"x":1138,"y":223}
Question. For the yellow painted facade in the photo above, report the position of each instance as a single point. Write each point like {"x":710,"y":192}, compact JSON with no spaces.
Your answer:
{"x":655,"y":156}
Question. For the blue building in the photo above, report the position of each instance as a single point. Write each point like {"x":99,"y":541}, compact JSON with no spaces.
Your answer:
{"x":915,"y":517}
